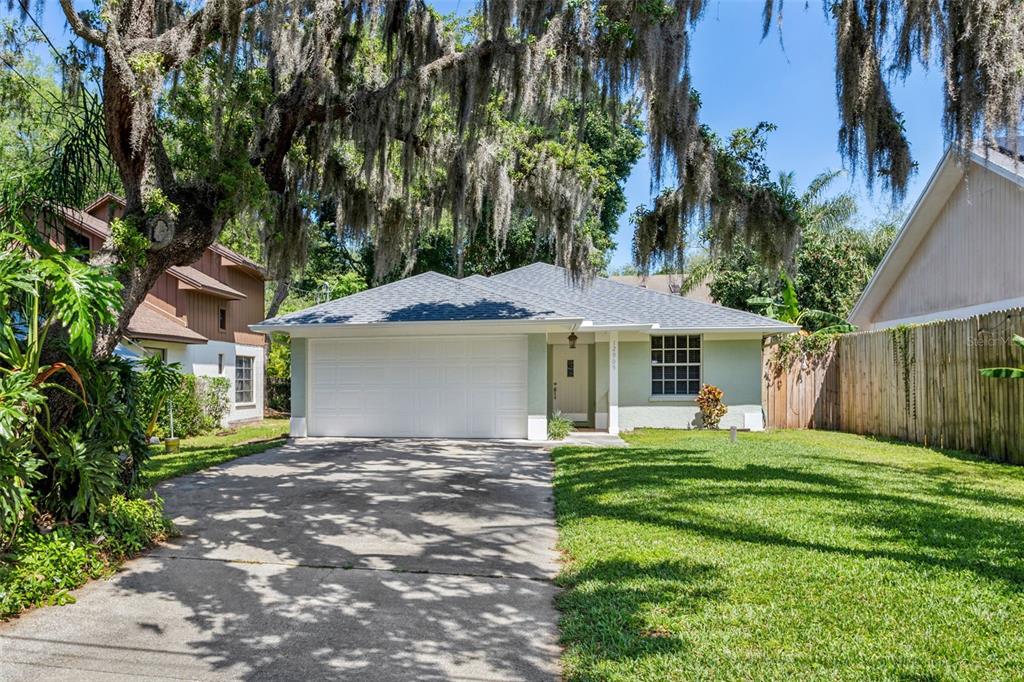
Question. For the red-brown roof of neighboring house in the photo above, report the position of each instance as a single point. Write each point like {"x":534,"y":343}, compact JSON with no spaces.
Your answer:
{"x":196,"y":279}
{"x":87,"y":222}
{"x":149,"y":322}
{"x":100,"y":228}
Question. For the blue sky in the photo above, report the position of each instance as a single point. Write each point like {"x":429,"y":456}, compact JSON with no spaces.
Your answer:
{"x":744,"y":80}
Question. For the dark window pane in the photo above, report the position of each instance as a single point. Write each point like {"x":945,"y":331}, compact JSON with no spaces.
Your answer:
{"x":656,"y":342}
{"x":694,"y":342}
{"x":656,"y":356}
{"x":680,"y":342}
{"x":694,"y":372}
{"x":570,"y":368}
{"x":670,"y":342}
{"x":694,"y":388}
{"x":695,"y":356}
{"x":670,"y":357}
{"x":670,"y":372}
{"x":656,"y":373}
{"x":656,"y":387}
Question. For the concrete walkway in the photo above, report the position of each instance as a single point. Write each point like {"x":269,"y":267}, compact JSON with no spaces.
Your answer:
{"x":362,"y":560}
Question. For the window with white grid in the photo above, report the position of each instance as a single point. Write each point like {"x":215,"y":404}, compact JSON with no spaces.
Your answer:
{"x":675,"y":365}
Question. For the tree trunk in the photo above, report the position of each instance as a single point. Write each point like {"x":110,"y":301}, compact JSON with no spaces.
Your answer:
{"x":281,"y":289}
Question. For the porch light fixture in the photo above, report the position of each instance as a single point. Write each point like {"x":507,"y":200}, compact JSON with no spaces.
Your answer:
{"x":572,"y":339}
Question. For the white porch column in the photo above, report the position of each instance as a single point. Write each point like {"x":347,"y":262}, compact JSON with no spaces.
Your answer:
{"x":613,"y":383}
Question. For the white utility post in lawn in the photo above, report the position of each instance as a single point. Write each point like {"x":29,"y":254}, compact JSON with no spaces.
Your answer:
{"x":613,"y":383}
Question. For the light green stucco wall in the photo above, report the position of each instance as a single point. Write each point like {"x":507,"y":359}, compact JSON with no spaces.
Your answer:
{"x":537,"y":375}
{"x":300,"y":349}
{"x":732,"y":365}
{"x":735,"y":367}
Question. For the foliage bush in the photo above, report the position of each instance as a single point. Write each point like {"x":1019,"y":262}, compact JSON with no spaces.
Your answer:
{"x":559,"y":426}
{"x":712,"y":409}
{"x":42,"y":567}
{"x":199,"y":403}
{"x":213,"y":400}
{"x":70,"y":436}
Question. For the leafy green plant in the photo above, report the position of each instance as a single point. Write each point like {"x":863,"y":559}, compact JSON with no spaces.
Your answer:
{"x":161,"y":381}
{"x":50,"y":304}
{"x":1006,"y":372}
{"x":84,"y":475}
{"x":214,"y":402}
{"x":559,"y":426}
{"x":787,"y":308}
{"x":712,"y":409}
{"x":42,"y":568}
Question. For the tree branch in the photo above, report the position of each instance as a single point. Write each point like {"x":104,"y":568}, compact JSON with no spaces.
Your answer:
{"x":294,"y":113}
{"x":87,"y":33}
{"x":189,"y":37}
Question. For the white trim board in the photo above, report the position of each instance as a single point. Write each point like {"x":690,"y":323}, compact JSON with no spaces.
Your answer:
{"x":952,"y":313}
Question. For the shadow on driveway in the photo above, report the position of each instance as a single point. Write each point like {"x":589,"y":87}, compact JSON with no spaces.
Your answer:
{"x":392,"y":559}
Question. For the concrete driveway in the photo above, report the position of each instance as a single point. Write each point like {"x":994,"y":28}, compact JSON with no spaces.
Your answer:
{"x":368,"y":560}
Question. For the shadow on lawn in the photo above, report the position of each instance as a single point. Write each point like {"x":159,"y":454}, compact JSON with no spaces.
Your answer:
{"x":903,"y":527}
{"x":610,"y":608}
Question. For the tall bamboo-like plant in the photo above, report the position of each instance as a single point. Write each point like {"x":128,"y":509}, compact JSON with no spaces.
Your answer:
{"x":1006,"y":372}
{"x":161,"y":378}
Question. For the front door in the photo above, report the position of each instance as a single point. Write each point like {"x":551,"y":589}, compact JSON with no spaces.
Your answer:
{"x":569,"y":382}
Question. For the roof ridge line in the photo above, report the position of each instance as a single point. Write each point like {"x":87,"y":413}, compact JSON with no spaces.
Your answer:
{"x":559,"y":300}
{"x":690,"y":300}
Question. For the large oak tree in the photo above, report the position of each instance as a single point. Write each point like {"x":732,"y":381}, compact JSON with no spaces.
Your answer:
{"x":395,"y":117}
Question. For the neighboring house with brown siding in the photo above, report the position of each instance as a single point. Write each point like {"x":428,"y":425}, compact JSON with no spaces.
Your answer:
{"x":960,"y":250}
{"x":198,"y":315}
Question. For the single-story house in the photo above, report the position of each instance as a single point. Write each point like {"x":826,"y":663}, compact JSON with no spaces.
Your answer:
{"x":959,"y":252}
{"x":493,"y":357}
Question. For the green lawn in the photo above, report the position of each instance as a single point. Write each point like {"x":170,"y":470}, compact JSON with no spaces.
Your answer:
{"x":205,"y":451}
{"x":790,"y":555}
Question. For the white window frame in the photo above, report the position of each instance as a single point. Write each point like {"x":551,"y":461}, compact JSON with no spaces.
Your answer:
{"x":242,"y":383}
{"x":659,"y":365}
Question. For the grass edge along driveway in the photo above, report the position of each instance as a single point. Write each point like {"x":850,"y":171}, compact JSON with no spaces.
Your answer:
{"x":201,"y":452}
{"x":792,"y":554}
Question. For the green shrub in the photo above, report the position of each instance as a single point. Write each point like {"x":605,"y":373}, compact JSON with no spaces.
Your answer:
{"x":559,"y":426}
{"x":200,"y":405}
{"x":712,"y":409}
{"x":42,"y":568}
{"x":131,"y":525}
{"x":84,"y":476}
{"x":213,"y":400}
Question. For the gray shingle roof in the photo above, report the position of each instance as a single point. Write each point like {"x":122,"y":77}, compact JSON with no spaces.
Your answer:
{"x":634,"y":304}
{"x":535,"y":292}
{"x":430,"y":297}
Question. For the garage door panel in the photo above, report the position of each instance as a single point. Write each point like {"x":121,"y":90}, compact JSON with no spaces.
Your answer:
{"x":426,"y":387}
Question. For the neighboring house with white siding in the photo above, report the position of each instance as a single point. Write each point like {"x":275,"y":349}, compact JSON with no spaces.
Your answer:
{"x":960,"y":251}
{"x":197,"y":315}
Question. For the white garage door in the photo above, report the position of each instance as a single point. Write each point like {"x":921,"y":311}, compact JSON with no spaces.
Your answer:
{"x":429,"y":387}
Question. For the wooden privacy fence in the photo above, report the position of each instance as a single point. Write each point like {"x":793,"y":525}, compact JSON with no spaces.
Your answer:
{"x":919,"y":384}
